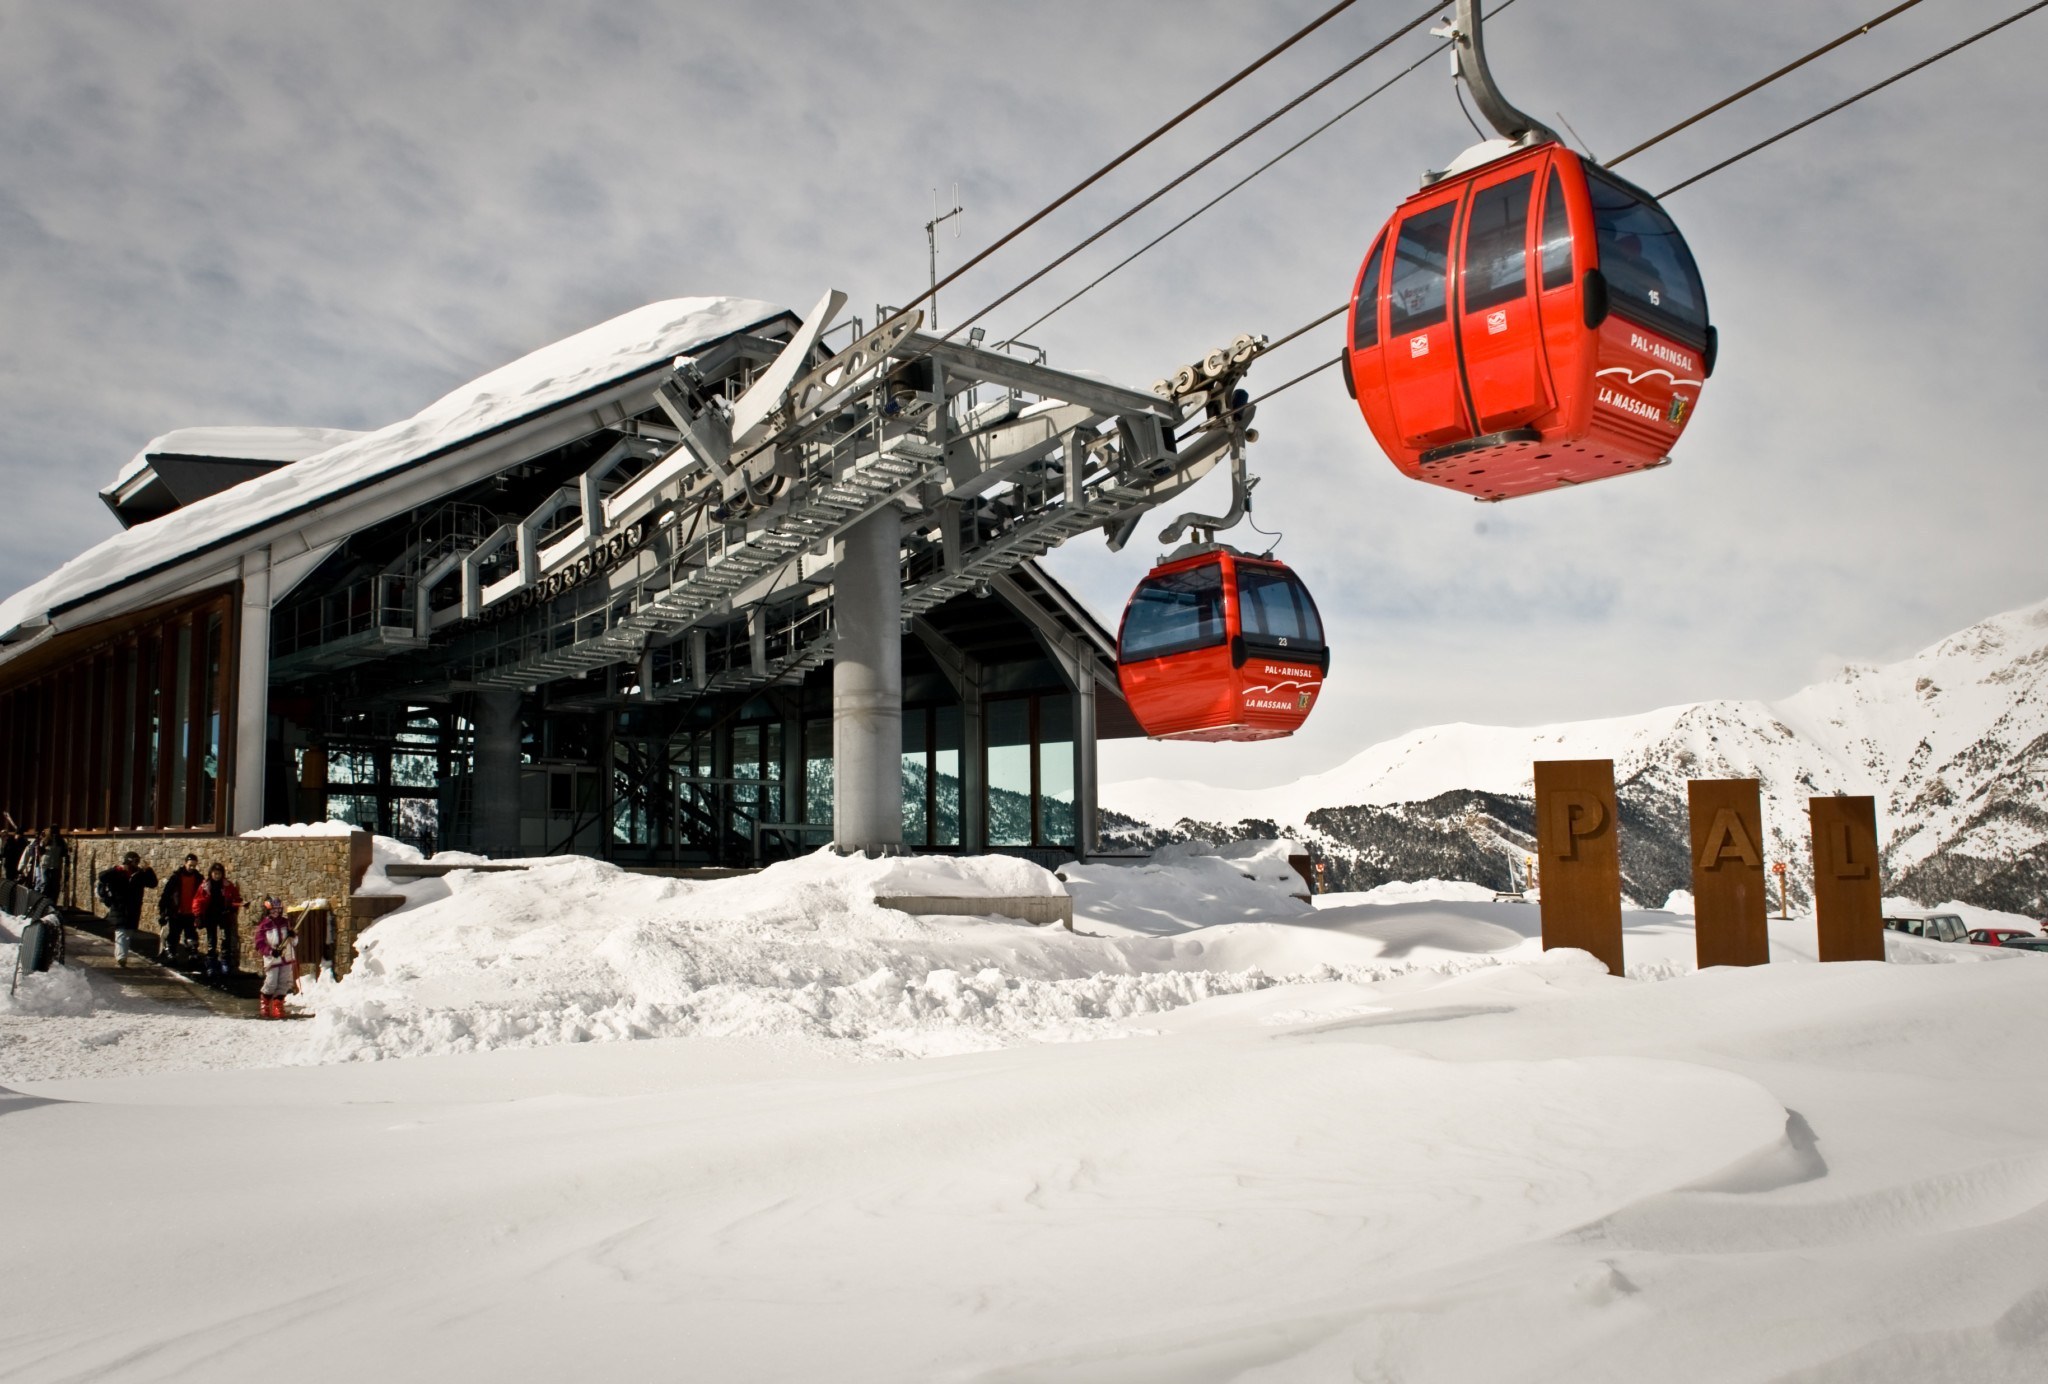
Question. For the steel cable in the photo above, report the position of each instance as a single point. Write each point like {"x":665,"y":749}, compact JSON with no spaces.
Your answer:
{"x":1852,"y":100}
{"x":1760,"y":83}
{"x":1153,"y":243}
{"x":1193,"y":169}
{"x":1078,"y":188}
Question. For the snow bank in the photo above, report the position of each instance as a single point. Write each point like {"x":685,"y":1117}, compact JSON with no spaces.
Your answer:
{"x":974,"y":877}
{"x":1411,"y":891}
{"x":573,"y":950}
{"x":1183,"y":885}
{"x":59,"y":990}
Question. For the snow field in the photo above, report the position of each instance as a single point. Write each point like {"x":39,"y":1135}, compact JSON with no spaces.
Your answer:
{"x":1358,"y":1140}
{"x":1521,"y":1172}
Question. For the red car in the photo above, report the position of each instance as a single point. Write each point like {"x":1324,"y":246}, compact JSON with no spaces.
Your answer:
{"x":1998,"y":936}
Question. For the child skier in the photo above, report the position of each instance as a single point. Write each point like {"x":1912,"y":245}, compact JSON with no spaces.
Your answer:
{"x":277,"y":944}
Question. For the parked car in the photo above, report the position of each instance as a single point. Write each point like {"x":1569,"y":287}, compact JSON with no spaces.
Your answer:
{"x":1935,"y":927}
{"x":2032,"y":944}
{"x":1998,"y":936}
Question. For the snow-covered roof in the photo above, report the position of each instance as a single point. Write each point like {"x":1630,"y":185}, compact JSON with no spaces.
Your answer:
{"x":544,"y":379}
{"x":233,"y":444}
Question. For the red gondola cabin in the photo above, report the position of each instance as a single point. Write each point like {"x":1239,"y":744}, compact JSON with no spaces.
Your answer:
{"x":1527,"y":323}
{"x":1221,"y":646}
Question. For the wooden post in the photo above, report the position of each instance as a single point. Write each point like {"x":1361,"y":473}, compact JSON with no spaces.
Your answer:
{"x":1728,"y":889}
{"x":1848,"y":894}
{"x":1577,"y":842}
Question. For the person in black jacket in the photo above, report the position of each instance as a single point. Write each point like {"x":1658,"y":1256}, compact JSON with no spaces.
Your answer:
{"x":177,"y":910}
{"x":121,"y":889}
{"x":13,"y":842}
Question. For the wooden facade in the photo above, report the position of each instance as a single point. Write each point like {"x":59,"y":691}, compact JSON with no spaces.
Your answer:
{"x":126,"y":726}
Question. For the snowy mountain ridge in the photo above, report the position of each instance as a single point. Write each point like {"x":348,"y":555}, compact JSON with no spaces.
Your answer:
{"x":1952,"y":742}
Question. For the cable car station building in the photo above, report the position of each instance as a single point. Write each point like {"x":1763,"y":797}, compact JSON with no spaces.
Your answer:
{"x":708,"y":584}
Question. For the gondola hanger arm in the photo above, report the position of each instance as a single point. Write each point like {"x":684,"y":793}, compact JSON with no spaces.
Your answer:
{"x":1468,"y":61}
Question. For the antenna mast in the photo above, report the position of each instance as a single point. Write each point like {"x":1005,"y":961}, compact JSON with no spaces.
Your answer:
{"x":931,"y":237}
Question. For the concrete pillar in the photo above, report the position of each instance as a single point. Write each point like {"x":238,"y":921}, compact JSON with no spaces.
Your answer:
{"x":867,"y":687}
{"x":252,"y":694}
{"x":494,"y":776}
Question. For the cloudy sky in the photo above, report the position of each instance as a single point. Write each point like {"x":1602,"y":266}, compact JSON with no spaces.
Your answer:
{"x":273,"y":211}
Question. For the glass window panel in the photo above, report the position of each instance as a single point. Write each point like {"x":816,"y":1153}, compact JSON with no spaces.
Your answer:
{"x":1365,"y":322}
{"x":209,"y":788}
{"x":351,"y":766}
{"x":1421,"y":260}
{"x":1497,"y":244}
{"x":1056,"y":771}
{"x":1557,"y":235}
{"x":124,"y":767}
{"x":818,"y":772}
{"x":746,"y":766}
{"x":1174,"y":613}
{"x":945,"y":764}
{"x":357,"y":809}
{"x":1273,"y":604}
{"x":415,"y":769}
{"x":181,"y":719}
{"x":417,"y":820}
{"x":153,"y":686}
{"x":916,"y":825}
{"x":1009,"y":771}
{"x":1649,"y":271}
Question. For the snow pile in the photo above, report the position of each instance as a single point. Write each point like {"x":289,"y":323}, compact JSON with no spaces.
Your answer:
{"x":1184,"y":885}
{"x":570,"y":950}
{"x":59,"y":990}
{"x":1411,"y":891}
{"x":573,"y":950}
{"x":972,"y":877}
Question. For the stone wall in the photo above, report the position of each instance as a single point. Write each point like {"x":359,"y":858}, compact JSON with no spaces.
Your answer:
{"x":295,"y":868}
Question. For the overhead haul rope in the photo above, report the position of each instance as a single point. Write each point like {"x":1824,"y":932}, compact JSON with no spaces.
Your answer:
{"x":1103,"y":277}
{"x":1705,"y":173}
{"x":1850,"y":101}
{"x":1193,"y":169}
{"x":1078,"y":188}
{"x":1761,"y":83}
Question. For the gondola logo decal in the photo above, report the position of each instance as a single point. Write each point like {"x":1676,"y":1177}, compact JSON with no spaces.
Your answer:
{"x":1634,"y":378}
{"x":1274,"y":696}
{"x":1678,"y":403}
{"x":1496,"y":322}
{"x":1418,"y":345}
